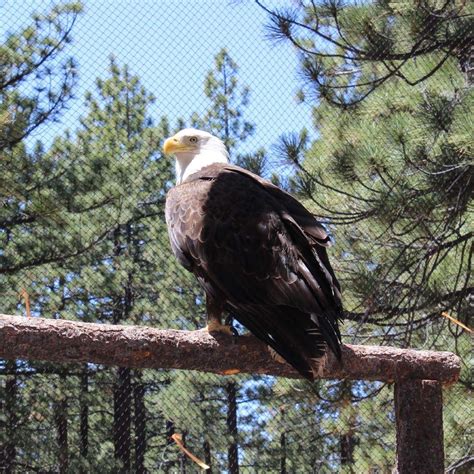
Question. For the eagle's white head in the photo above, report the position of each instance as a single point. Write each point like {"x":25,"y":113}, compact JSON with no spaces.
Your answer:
{"x":194,"y":149}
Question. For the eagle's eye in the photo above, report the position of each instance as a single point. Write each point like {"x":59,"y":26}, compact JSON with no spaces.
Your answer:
{"x":193,"y":140}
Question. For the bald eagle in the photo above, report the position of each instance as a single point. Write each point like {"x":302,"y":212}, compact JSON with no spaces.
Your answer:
{"x":255,"y":250}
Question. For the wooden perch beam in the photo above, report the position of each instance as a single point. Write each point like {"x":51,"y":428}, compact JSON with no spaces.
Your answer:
{"x":143,"y":347}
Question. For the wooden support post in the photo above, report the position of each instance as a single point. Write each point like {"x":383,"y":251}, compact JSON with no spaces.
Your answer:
{"x":419,"y":418}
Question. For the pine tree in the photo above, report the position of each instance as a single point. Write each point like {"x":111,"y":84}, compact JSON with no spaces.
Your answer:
{"x":391,"y":170}
{"x":348,"y":51}
{"x":228,"y":100}
{"x":111,"y":188}
{"x":87,"y":242}
{"x":36,"y":84}
{"x":37,"y":79}
{"x":118,"y":279}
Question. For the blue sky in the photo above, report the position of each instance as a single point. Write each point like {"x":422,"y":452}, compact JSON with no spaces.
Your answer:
{"x":170,"y":45}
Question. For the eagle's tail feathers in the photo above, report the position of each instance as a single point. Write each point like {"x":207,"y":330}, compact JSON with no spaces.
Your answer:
{"x":330,"y":333}
{"x":291,"y":334}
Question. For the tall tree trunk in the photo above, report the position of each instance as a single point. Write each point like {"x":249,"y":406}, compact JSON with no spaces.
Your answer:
{"x":347,"y":440}
{"x":84,"y":413}
{"x":283,"y":442}
{"x":60,"y":420}
{"x":123,"y":386}
{"x":169,"y":430}
{"x":233,"y":450}
{"x":206,"y":446}
{"x":7,"y":463}
{"x":283,"y":453}
{"x":182,"y":457}
{"x":347,"y":445}
{"x":139,"y":422}
{"x":122,"y":418}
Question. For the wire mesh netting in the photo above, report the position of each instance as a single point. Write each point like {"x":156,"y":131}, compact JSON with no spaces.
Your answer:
{"x":361,"y":110}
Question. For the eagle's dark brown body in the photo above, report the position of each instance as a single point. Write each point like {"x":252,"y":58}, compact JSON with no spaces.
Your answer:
{"x":259,"y":253}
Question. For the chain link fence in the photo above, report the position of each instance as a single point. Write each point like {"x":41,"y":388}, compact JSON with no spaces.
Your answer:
{"x":361,"y":110}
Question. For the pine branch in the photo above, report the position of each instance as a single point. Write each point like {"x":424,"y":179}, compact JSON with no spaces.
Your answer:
{"x":143,"y":347}
{"x":323,"y":39}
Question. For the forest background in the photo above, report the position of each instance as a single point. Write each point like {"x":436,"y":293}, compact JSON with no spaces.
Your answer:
{"x":362,"y":110}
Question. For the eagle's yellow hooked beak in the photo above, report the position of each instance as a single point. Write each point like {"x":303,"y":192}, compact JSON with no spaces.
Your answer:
{"x":173,"y":145}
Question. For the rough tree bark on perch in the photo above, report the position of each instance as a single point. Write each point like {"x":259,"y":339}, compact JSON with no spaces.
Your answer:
{"x":143,"y":347}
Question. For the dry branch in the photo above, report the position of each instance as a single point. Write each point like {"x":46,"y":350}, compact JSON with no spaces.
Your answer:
{"x":144,"y":347}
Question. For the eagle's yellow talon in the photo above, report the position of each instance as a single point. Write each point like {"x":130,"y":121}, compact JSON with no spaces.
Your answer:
{"x":275,"y":356}
{"x":214,"y":327}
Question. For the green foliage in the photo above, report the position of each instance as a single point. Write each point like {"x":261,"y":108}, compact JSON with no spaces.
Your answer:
{"x":391,"y":169}
{"x":82,"y":230}
{"x":224,"y":116}
{"x":116,"y":150}
{"x":350,"y":49}
{"x":397,"y":182}
{"x":30,"y":60}
{"x":391,"y":175}
{"x":35,"y":85}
